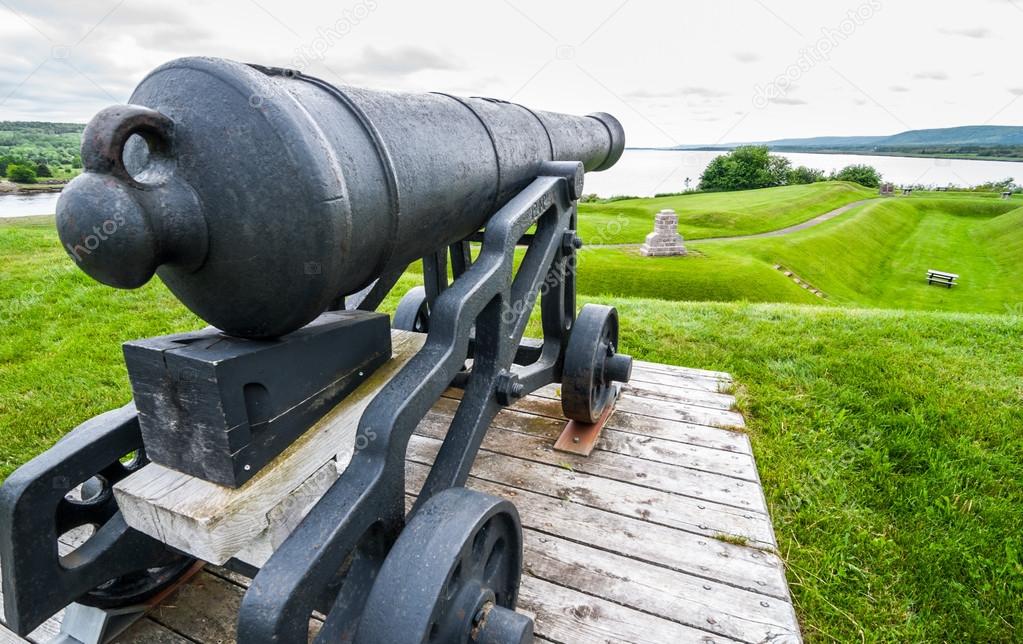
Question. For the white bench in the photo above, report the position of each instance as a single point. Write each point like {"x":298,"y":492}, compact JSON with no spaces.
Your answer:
{"x":948,"y":280}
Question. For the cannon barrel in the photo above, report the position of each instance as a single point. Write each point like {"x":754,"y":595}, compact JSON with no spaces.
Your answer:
{"x":259,"y":195}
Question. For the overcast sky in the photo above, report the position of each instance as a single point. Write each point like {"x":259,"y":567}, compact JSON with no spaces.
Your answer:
{"x":673,"y":72}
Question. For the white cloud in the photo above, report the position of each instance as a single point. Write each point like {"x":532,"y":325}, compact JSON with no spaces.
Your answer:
{"x":651,"y":64}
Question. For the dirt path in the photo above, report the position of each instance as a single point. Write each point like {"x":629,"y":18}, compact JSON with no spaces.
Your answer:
{"x":810,"y":223}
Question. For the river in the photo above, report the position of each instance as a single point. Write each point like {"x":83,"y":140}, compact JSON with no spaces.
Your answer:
{"x":645,"y":173}
{"x":28,"y":204}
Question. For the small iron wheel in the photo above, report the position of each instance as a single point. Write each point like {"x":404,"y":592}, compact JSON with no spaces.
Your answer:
{"x":413,"y":312}
{"x":452,"y":576}
{"x":94,"y":505}
{"x":592,"y":364}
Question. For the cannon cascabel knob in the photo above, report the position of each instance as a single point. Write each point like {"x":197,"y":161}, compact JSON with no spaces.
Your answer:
{"x":119,"y":226}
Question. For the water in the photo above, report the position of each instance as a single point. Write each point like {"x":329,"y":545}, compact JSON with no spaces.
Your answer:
{"x":25,"y":205}
{"x":644,"y":173}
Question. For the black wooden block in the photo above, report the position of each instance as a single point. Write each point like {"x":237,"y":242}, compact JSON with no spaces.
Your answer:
{"x":220,"y":407}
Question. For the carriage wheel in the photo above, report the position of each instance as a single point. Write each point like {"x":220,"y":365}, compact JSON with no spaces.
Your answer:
{"x":592,"y":364}
{"x":413,"y":312}
{"x":95,"y":505}
{"x":452,"y":576}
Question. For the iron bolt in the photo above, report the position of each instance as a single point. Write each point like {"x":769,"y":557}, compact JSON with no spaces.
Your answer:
{"x":570,"y":242}
{"x":509,"y":389}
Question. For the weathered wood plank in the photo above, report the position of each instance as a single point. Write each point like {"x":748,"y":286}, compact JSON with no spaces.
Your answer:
{"x":7,"y":637}
{"x":664,"y":409}
{"x":661,"y":450}
{"x":283,"y":519}
{"x":685,"y":412}
{"x":729,"y":463}
{"x":643,"y":365}
{"x":146,"y":631}
{"x":674,"y":393}
{"x":697,"y":484}
{"x":681,"y":431}
{"x":663,"y":508}
{"x":213,"y":522}
{"x":698,"y":555}
{"x":681,"y":394}
{"x":700,"y":603}
{"x":666,"y":428}
{"x":206,"y":610}
{"x":689,"y":382}
{"x":567,"y":615}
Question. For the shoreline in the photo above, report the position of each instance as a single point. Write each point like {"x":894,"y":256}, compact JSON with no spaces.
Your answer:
{"x":11,"y":188}
{"x":863,"y":153}
{"x":34,"y":220}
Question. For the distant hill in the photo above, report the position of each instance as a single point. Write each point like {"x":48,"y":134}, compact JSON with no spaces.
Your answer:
{"x":977,"y":141}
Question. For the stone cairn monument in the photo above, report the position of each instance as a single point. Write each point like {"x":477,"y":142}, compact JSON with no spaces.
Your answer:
{"x":665,"y":239}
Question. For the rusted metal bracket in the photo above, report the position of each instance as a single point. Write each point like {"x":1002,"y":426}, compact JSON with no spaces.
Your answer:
{"x":580,"y":438}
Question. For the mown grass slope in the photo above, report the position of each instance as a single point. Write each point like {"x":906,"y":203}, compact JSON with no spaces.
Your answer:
{"x":875,"y":255}
{"x":879,"y":254}
{"x":888,"y":442}
{"x":889,"y":447}
{"x":717,"y":214}
{"x":710,"y":277}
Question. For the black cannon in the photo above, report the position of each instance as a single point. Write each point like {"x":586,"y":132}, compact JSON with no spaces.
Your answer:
{"x":282,"y":210}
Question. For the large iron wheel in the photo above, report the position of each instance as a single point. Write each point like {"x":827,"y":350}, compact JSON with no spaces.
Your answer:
{"x":451,"y":577}
{"x":413,"y":312}
{"x":592,"y":364}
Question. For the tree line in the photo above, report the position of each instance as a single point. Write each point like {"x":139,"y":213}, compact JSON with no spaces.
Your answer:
{"x":30,"y":151}
{"x":753,"y":166}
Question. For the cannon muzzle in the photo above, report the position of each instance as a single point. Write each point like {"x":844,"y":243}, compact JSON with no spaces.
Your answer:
{"x":259,"y":195}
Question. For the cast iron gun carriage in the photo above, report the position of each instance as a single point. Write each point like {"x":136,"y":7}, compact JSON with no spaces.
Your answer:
{"x":282,"y":210}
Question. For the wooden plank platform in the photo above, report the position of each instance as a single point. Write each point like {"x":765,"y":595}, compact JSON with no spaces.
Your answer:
{"x":660,"y":535}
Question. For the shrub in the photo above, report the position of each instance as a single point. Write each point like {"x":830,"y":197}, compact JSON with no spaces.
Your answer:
{"x":744,"y":168}
{"x":21,"y":173}
{"x":803,"y":174}
{"x":862,"y":174}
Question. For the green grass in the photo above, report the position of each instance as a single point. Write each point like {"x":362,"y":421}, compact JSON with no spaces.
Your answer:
{"x":622,"y":272}
{"x":879,"y":254}
{"x":875,"y":255}
{"x":717,"y":214}
{"x":889,"y":447}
